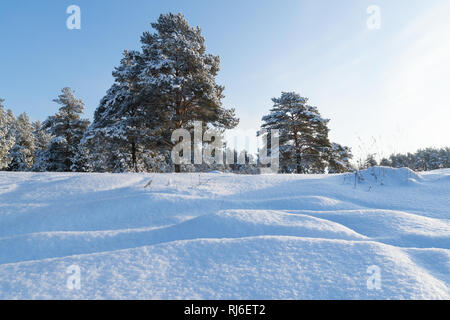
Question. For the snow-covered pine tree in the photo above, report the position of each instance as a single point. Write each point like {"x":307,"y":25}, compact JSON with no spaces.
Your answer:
{"x":397,"y":160}
{"x":23,"y":152}
{"x":42,"y":142}
{"x":167,"y":85}
{"x":317,"y":154}
{"x":303,"y":141}
{"x":7,"y":137}
{"x":66,"y":128}
{"x":339,"y":159}
{"x":369,"y":162}
{"x":404,"y":160}
{"x":385,"y":162}
{"x":444,"y":156}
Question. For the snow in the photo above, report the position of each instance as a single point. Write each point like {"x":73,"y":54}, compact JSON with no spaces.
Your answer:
{"x":225,"y":236}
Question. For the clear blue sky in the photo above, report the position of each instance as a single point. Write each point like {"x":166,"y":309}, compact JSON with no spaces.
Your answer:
{"x":389,"y":84}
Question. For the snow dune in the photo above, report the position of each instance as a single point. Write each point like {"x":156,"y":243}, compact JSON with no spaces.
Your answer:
{"x":225,"y":236}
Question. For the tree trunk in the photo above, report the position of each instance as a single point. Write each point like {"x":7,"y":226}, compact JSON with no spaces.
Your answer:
{"x":299,"y":164}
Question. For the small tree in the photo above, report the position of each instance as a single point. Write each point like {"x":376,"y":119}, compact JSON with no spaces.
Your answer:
{"x":385,"y":162}
{"x":42,"y":141}
{"x":339,"y":161}
{"x":22,"y":153}
{"x":7,"y":137}
{"x":66,"y":128}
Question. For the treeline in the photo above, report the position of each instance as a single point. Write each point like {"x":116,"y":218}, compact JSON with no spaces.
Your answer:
{"x":422,"y":160}
{"x":169,"y":84}
{"x":66,"y":142}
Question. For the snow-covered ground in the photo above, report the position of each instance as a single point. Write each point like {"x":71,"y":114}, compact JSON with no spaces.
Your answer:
{"x":225,"y":236}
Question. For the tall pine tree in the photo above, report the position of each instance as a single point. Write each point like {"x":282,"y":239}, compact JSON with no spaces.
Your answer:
{"x":303,"y":142}
{"x":167,"y":85}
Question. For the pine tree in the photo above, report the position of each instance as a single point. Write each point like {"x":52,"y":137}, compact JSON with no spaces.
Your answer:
{"x":7,"y":137}
{"x":22,"y":153}
{"x":303,"y":143}
{"x":167,"y":85}
{"x":41,"y":137}
{"x":369,"y":162}
{"x":385,"y":162}
{"x":339,"y":159}
{"x":42,"y":142}
{"x":66,"y":128}
{"x":444,"y":156}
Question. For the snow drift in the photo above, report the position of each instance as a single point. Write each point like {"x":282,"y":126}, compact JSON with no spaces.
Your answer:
{"x":211,"y":236}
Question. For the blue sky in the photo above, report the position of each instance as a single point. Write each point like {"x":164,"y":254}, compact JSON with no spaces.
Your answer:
{"x":384,"y":90}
